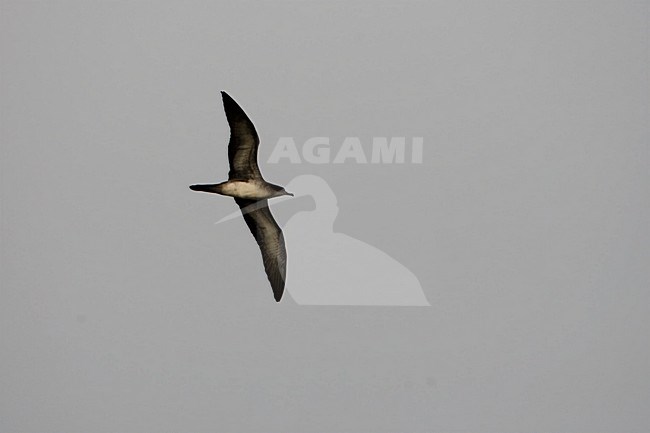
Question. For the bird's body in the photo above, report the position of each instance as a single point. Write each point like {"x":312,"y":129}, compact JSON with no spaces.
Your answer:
{"x":251,"y":189}
{"x":251,"y":192}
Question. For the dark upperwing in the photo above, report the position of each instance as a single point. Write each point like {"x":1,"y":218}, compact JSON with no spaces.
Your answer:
{"x":242,"y":148}
{"x":269,"y":237}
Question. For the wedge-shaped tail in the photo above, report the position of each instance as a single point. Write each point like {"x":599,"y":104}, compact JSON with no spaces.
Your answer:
{"x":216,"y":188}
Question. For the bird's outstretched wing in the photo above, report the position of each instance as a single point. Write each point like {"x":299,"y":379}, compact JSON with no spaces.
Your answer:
{"x":242,"y":148}
{"x":269,"y":237}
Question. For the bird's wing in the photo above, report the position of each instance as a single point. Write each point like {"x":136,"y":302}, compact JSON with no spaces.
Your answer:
{"x":269,"y":237}
{"x":242,"y":148}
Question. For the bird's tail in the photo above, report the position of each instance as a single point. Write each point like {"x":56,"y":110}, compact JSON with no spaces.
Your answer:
{"x":216,"y":188}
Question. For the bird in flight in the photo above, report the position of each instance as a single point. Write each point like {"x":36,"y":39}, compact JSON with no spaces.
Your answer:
{"x":251,"y":192}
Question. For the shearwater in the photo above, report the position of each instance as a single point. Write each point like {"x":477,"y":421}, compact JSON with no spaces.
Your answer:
{"x":251,"y":192}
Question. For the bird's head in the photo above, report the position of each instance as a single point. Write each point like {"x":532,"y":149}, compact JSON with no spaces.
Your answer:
{"x":280,"y":191}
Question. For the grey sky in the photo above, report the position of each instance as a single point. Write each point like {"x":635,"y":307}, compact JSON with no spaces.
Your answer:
{"x":125,"y":309}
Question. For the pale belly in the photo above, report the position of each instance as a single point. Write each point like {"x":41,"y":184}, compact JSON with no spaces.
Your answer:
{"x":247,"y":190}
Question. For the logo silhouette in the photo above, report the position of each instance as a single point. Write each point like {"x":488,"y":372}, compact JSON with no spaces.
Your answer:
{"x":328,"y":268}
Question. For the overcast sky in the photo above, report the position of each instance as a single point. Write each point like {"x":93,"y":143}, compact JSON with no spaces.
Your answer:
{"x":124,"y":308}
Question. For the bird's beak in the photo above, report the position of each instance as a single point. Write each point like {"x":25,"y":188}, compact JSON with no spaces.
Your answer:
{"x":290,"y":193}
